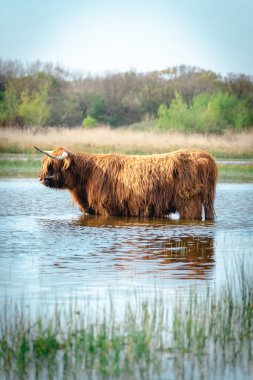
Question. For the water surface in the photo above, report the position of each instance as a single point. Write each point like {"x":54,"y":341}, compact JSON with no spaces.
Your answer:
{"x":48,"y":248}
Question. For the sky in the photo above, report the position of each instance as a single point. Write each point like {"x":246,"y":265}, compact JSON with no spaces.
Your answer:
{"x":96,"y":36}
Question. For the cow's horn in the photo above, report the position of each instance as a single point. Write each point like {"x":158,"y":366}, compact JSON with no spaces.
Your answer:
{"x":48,"y":153}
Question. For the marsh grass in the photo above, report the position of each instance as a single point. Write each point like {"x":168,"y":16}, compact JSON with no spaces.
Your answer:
{"x":235,"y":172}
{"x":29,"y":166}
{"x":204,"y":336}
{"x":124,"y":140}
{"x":19,"y":167}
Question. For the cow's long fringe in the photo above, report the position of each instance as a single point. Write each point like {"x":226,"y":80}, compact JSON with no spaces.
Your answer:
{"x":142,"y":186}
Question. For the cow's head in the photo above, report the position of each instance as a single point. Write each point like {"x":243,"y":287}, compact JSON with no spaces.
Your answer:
{"x":55,"y":171}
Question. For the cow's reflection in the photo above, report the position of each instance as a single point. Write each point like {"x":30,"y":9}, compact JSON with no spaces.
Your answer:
{"x":169,"y":248}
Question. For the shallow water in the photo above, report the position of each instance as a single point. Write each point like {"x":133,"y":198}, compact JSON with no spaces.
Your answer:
{"x":48,"y":248}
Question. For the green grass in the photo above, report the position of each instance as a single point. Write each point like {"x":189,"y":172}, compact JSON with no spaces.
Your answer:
{"x":19,"y":168}
{"x":204,"y":336}
{"x":31,"y":167}
{"x":12,"y":148}
{"x":235,"y":172}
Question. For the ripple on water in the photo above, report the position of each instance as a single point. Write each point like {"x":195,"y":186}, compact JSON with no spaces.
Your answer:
{"x":48,"y":247}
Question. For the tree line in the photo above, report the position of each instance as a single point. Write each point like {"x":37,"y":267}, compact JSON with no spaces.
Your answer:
{"x":182,"y":97}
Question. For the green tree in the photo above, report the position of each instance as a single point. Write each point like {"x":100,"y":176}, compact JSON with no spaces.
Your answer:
{"x":96,"y":107}
{"x":175,"y":116}
{"x":33,"y":109}
{"x":205,"y":112}
{"x":9,"y":106}
{"x":219,"y":111}
{"x":209,"y":112}
{"x":242,"y":114}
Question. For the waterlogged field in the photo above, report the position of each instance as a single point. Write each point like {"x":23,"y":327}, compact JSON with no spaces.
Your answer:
{"x":94,"y":297}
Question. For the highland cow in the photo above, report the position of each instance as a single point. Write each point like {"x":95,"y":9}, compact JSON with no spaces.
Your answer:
{"x":144,"y":186}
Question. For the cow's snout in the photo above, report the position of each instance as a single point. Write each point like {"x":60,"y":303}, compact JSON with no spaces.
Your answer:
{"x":47,"y":181}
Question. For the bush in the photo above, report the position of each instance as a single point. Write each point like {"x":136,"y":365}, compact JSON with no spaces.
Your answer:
{"x":89,"y":122}
{"x":208,"y":113}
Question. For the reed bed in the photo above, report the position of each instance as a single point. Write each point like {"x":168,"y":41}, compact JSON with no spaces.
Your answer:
{"x":202,"y":337}
{"x":124,"y":140}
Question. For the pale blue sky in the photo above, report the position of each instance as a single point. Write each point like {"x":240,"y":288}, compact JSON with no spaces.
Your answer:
{"x":97,"y":36}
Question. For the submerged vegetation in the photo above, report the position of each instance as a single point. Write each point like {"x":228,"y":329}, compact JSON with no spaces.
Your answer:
{"x":201,"y":335}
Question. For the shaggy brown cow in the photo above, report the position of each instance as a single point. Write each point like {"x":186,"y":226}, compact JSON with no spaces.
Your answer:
{"x":143,"y":186}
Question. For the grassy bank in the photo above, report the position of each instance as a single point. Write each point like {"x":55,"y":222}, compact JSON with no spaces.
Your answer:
{"x":17,"y":167}
{"x":29,"y":166}
{"x":235,"y":172}
{"x":210,"y":337}
{"x":124,"y":140}
{"x":128,"y":141}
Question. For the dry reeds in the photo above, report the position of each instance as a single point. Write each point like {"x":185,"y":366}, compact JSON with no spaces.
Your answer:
{"x":123,"y":140}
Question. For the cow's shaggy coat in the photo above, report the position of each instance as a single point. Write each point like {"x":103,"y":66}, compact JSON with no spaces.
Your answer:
{"x":142,"y":186}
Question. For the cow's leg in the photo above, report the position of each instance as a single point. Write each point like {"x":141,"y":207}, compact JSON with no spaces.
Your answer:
{"x":209,"y":210}
{"x":208,"y":202}
{"x":191,"y":209}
